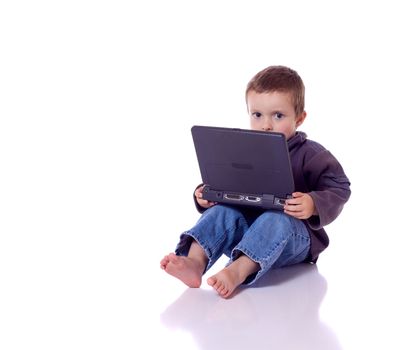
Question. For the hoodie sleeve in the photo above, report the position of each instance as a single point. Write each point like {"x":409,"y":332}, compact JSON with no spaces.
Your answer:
{"x":330,"y":188}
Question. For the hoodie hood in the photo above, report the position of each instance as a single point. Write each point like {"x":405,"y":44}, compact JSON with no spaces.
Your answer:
{"x":298,"y":139}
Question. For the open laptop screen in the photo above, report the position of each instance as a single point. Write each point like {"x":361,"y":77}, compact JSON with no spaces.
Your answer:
{"x":244,"y":167}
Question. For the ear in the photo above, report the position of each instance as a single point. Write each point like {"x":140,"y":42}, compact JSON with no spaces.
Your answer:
{"x":300,"y":119}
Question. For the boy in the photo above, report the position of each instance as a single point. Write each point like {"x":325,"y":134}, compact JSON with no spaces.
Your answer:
{"x":257,"y":241}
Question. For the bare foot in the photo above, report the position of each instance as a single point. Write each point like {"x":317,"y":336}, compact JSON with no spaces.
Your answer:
{"x":164,"y":262}
{"x":187,"y":270}
{"x":229,"y":278}
{"x":225,"y":282}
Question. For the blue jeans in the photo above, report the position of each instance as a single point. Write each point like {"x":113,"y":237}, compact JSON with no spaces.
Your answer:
{"x":270,"y":238}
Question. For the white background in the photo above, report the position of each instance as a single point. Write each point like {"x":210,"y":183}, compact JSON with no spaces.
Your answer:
{"x":97,"y":99}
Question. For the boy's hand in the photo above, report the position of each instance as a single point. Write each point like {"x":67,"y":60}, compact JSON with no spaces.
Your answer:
{"x":301,"y":206}
{"x":202,"y":202}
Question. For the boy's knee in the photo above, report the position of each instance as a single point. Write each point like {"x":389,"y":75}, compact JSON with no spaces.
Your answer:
{"x":277,"y":217}
{"x":273,"y":214}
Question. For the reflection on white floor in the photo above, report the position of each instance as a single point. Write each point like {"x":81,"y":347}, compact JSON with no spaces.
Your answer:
{"x":352,"y":299}
{"x":281,"y":311}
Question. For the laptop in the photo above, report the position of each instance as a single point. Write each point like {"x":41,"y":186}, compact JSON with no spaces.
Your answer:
{"x":244,"y":167}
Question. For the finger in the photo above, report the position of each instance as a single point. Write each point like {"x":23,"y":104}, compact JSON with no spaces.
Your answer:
{"x":293,"y":207}
{"x":302,"y":214}
{"x":297,"y":215}
{"x":204,"y":203}
{"x":211,"y":204}
{"x":291,"y":213}
{"x":297,"y":194}
{"x":295,"y":200}
{"x":292,"y":201}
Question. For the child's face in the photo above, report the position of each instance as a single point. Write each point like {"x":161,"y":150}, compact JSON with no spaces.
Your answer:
{"x":273,"y":111}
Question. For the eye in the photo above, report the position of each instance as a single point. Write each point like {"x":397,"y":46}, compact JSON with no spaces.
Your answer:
{"x":278,"y":115}
{"x":257,"y":114}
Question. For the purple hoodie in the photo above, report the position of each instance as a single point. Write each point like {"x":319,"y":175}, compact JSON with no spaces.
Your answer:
{"x":317,"y":172}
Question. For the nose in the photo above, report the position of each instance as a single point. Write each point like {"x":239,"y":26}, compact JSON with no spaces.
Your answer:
{"x":267,"y":126}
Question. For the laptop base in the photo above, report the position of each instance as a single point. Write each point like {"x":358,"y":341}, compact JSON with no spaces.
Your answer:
{"x":262,"y":201}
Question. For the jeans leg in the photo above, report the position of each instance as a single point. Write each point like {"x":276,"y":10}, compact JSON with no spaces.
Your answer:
{"x":274,"y":239}
{"x":218,"y":231}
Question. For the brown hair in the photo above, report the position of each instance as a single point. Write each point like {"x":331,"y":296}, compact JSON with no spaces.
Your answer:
{"x":279,"y":78}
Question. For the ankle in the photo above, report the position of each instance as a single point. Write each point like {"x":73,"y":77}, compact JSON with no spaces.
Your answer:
{"x":243,"y":267}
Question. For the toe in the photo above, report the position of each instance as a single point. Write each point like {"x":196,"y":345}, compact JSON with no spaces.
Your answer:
{"x":211,"y":281}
